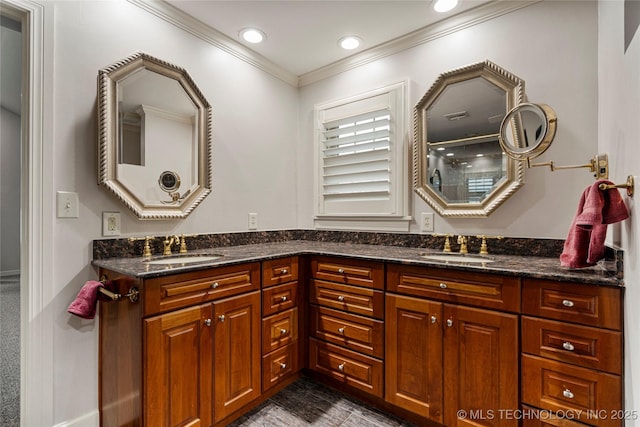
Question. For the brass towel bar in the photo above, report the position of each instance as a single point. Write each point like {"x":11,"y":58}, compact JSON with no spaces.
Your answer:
{"x":629,"y":185}
{"x":113,"y":296}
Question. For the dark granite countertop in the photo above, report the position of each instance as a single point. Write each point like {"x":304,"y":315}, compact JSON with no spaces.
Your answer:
{"x":523,"y":266}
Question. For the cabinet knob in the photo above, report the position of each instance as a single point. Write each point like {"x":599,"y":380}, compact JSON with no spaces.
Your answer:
{"x":449,"y":323}
{"x":341,"y":270}
{"x":567,"y":303}
{"x":341,"y":367}
{"x":214,"y":285}
{"x":567,"y":393}
{"x":221,"y":318}
{"x":341,"y":330}
{"x":207,"y":322}
{"x":283,"y":298}
{"x":568,"y":346}
{"x":283,"y":366}
{"x":283,"y":331}
{"x":284,"y":271}
{"x":340,"y":298}
{"x":443,"y":285}
{"x":434,"y":319}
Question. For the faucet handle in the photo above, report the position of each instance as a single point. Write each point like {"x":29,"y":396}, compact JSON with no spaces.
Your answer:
{"x":462,"y":241}
{"x":484,"y":249}
{"x":183,"y":242}
{"x":146,"y":250}
{"x":447,"y":243}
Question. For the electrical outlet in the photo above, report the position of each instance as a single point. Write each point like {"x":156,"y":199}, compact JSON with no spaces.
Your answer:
{"x":110,"y":223}
{"x":253,"y":221}
{"x":67,"y":204}
{"x":427,"y":222}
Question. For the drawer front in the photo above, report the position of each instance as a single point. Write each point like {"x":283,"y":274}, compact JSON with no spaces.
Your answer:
{"x":558,"y":386}
{"x":357,"y":333}
{"x":279,"y":298}
{"x":534,"y":417}
{"x":581,"y":345}
{"x":584,"y":304}
{"x":481,"y":290}
{"x":278,"y":271}
{"x":354,"y":369}
{"x":351,"y":299}
{"x":278,"y":365}
{"x":279,"y":330}
{"x":167,"y":293}
{"x":369,"y":274}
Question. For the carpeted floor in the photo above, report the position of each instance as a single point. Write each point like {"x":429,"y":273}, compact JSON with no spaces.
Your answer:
{"x":10,"y":351}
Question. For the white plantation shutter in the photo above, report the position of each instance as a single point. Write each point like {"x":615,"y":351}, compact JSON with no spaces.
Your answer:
{"x":360,"y":160}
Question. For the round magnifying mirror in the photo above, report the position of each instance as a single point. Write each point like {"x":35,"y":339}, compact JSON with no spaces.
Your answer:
{"x":169,"y":181}
{"x":527,"y":130}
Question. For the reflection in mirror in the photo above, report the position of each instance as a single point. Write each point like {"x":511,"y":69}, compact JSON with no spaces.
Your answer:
{"x":527,"y":131}
{"x":153,"y":121}
{"x":457,"y":135}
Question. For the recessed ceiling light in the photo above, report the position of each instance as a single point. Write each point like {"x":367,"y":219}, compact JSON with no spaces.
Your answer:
{"x":349,"y":42}
{"x":442,"y":6}
{"x":450,"y":154}
{"x":252,"y":35}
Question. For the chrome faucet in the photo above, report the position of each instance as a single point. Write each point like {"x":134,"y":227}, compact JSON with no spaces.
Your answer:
{"x":168,"y":242}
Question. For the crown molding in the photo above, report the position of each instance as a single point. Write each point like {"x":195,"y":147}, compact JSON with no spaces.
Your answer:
{"x":214,"y":37}
{"x":431,"y":32}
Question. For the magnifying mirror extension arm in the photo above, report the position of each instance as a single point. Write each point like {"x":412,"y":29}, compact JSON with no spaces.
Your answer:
{"x":599,"y":165}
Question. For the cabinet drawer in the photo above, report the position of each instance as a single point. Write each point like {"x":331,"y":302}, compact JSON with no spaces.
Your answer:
{"x":482,"y":290}
{"x":279,"y":330}
{"x":351,"y":299}
{"x":355,"y":369}
{"x":167,"y":293}
{"x":278,"y":298}
{"x":278,"y":271}
{"x":357,"y":333}
{"x":558,"y":386}
{"x":279,"y":364}
{"x":584,"y":304}
{"x":369,"y":274}
{"x":582,"y":345}
{"x":533,"y":417}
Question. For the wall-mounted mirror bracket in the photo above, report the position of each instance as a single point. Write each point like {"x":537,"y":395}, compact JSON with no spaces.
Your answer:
{"x":599,"y":165}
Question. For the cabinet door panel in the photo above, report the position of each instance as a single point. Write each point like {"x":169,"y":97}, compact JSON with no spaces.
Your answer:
{"x":237,"y":353}
{"x":480,"y":365}
{"x":413,"y":358}
{"x":178,"y":371}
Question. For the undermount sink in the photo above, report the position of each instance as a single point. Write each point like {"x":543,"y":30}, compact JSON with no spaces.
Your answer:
{"x":458,"y":258}
{"x":183,"y":259}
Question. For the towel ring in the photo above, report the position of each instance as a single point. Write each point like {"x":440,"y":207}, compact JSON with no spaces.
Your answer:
{"x":629,"y":185}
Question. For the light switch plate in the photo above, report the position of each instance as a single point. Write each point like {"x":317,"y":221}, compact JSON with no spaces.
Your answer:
{"x":67,"y":204}
{"x":110,"y":223}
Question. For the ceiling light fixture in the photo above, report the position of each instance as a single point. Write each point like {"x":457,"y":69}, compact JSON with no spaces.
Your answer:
{"x":349,"y":42}
{"x":252,"y":35}
{"x":443,"y":6}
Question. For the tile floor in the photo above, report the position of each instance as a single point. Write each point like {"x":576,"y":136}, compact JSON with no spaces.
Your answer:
{"x":307,"y":403}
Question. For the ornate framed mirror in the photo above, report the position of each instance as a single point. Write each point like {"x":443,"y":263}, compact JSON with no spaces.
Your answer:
{"x":456,"y":138}
{"x":154,"y":129}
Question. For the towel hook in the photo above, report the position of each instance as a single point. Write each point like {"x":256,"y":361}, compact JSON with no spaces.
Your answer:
{"x":629,"y":185}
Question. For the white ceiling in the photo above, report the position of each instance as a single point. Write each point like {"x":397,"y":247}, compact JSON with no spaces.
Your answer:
{"x":302,"y":35}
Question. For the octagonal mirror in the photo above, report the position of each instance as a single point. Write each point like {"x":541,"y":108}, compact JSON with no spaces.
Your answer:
{"x":154,"y":137}
{"x":459,"y":167}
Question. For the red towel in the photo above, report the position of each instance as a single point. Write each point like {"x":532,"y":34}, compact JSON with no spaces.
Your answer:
{"x":584,"y":246}
{"x":85,"y":303}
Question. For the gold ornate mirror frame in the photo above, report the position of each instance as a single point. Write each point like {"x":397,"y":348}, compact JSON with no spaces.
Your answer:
{"x":136,"y":183}
{"x":498,"y":80}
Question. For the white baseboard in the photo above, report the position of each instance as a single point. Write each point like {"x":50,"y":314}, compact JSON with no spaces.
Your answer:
{"x":92,"y":419}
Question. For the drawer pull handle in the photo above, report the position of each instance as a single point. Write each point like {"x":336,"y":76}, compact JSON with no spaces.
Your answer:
{"x":283,"y":366}
{"x":567,"y":393}
{"x":283,"y":299}
{"x":341,"y":367}
{"x":341,"y":270}
{"x":221,"y":318}
{"x":341,"y":330}
{"x":434,"y":319}
{"x":443,"y":285}
{"x":215,"y":285}
{"x":449,"y":323}
{"x":207,"y":322}
{"x":283,"y":271}
{"x":340,"y":298}
{"x":568,"y":346}
{"x":567,"y":303}
{"x":283,"y":331}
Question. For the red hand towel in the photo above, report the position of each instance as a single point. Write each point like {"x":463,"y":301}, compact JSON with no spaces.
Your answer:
{"x":85,"y":303}
{"x":584,"y":246}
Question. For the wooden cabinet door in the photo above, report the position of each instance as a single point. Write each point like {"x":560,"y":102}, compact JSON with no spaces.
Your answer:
{"x":177,"y":368}
{"x":237,"y":359}
{"x":480,"y":367}
{"x":413,"y":359}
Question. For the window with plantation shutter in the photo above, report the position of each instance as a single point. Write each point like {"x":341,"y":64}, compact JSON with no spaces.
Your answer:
{"x":361,"y":153}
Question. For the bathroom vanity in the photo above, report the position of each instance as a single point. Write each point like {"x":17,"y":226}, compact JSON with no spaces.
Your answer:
{"x":507,"y":342}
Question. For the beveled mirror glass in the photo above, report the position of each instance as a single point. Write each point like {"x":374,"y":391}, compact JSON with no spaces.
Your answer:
{"x":154,"y":137}
{"x":459,"y":166}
